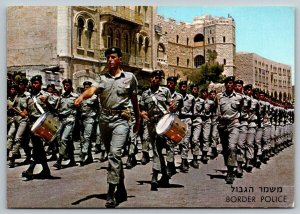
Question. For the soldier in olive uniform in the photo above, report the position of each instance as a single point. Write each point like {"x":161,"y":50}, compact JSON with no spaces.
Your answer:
{"x":88,"y":113}
{"x":206,"y":124}
{"x":178,"y":101}
{"x":242,"y":143}
{"x":18,"y":134}
{"x":116,"y":88}
{"x":252,"y":126}
{"x":196,"y":125}
{"x":39,"y":102}
{"x":230,"y":108}
{"x":154,"y":104}
{"x":66,"y":113}
{"x":186,"y":114}
{"x":214,"y":124}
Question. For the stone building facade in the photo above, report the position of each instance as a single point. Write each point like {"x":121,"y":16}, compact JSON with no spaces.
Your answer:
{"x":69,"y":41}
{"x":272,"y":77}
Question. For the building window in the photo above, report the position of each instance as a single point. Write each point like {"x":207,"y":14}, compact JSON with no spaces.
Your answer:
{"x":89,"y":34}
{"x":145,"y":12}
{"x":118,"y":38}
{"x":161,"y":51}
{"x":109,"y":38}
{"x":208,"y":41}
{"x":224,"y":39}
{"x":147,"y":42}
{"x":177,"y":61}
{"x":177,"y":39}
{"x":199,"y":60}
{"x":188,"y":63}
{"x":140,"y":45}
{"x":224,"y":61}
{"x":212,"y":40}
{"x":187,"y":41}
{"x":126,"y":43}
{"x":80,"y":31}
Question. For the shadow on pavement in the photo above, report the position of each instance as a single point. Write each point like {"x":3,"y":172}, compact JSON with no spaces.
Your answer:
{"x":169,"y":186}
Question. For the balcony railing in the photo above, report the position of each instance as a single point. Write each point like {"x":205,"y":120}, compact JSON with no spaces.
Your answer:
{"x":123,"y":13}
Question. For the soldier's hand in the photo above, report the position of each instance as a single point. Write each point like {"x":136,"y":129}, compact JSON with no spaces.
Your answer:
{"x":78,"y":101}
{"x":24,"y":113}
{"x":43,"y":98}
{"x":144,"y":115}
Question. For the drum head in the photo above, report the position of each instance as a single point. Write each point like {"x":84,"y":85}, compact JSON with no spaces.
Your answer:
{"x":164,"y":124}
{"x":38,"y":122}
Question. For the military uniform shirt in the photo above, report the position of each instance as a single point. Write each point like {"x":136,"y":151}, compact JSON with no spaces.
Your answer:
{"x":115,"y":92}
{"x":230,"y":107}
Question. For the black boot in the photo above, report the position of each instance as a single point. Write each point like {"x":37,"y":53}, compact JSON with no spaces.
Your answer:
{"x":194,"y":162}
{"x":248,"y":166}
{"x":230,"y":175}
{"x":145,"y":158}
{"x":204,"y":157}
{"x":184,"y":167}
{"x":239,"y":170}
{"x":57,"y":164}
{"x":171,"y":169}
{"x":11,"y":163}
{"x":103,"y":156}
{"x":121,"y":193}
{"x":214,"y":153}
{"x":28,"y":174}
{"x":110,"y":199}
{"x":131,"y":161}
{"x":164,"y":181}
{"x":154,"y":182}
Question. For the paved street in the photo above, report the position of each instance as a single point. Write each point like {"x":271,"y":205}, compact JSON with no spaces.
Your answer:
{"x":85,"y":187}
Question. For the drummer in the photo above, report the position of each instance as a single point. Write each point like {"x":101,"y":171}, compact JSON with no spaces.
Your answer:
{"x":155,"y":102}
{"x":39,"y":102}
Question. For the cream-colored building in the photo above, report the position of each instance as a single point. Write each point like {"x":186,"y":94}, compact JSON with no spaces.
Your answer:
{"x":69,"y":41}
{"x":272,"y":77}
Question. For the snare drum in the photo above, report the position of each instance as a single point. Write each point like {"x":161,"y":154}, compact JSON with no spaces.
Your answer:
{"x":172,"y":128}
{"x":46,"y":127}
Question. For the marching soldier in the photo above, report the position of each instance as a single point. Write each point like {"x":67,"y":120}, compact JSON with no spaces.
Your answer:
{"x":154,"y":104}
{"x":88,"y":113}
{"x":39,"y":102}
{"x":214,"y":124}
{"x":66,"y":112}
{"x":206,"y":124}
{"x":196,"y":125}
{"x":252,"y":126}
{"x":18,"y":134}
{"x":178,"y":100}
{"x":115,"y":89}
{"x":186,"y":114}
{"x":230,"y":108}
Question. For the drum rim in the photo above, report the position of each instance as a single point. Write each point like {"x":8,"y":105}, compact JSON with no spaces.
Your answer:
{"x":56,"y":134}
{"x":43,"y":118}
{"x":162,"y":133}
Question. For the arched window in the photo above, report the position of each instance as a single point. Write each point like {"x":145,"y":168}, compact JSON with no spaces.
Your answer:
{"x":161,"y":51}
{"x":118,"y":39}
{"x":199,"y":38}
{"x":147,"y":42}
{"x":140,"y":44}
{"x":126,"y":43}
{"x":109,"y":38}
{"x":80,"y":31}
{"x":89,"y":33}
{"x":199,"y":60}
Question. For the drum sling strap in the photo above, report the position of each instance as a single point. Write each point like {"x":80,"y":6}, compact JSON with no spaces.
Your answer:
{"x":38,"y":106}
{"x":163,"y":110}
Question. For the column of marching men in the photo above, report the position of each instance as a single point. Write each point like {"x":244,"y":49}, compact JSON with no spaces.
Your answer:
{"x":250,"y":126}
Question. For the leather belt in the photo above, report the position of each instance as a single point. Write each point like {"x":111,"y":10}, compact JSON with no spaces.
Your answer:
{"x":111,"y":111}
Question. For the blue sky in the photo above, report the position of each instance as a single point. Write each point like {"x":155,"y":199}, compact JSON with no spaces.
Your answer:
{"x":266,"y":31}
